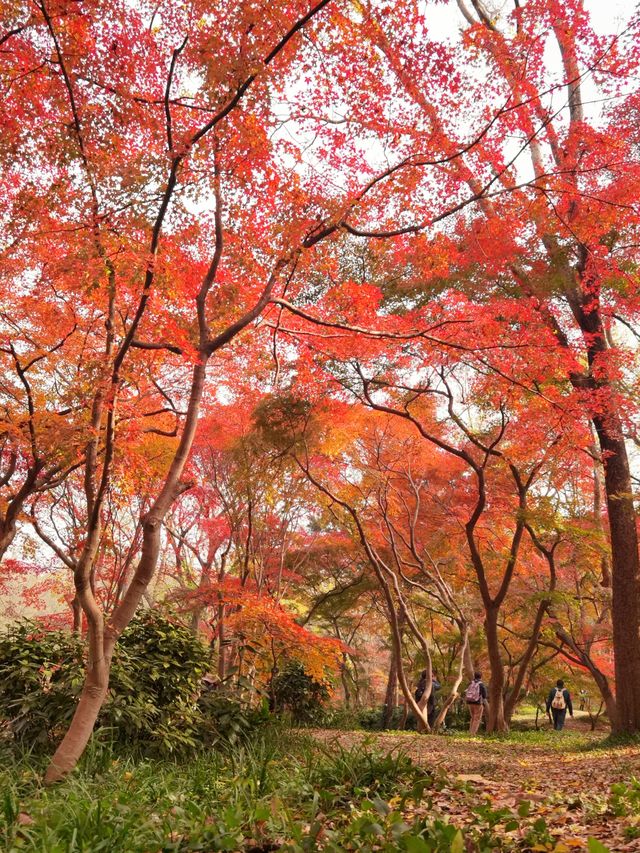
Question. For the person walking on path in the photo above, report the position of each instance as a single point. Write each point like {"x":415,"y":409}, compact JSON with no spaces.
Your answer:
{"x":476,"y":698}
{"x":558,"y":703}
{"x":431,"y":701}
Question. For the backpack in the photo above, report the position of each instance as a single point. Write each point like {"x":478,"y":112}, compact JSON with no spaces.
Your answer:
{"x":472,"y":693}
{"x":558,"y":700}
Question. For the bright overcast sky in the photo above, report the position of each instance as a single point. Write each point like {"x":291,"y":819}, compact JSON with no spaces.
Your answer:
{"x":608,"y":16}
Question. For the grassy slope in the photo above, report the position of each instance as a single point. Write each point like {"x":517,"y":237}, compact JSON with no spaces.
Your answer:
{"x":331,"y":791}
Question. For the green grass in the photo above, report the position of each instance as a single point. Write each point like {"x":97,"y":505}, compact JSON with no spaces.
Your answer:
{"x":280,"y":792}
{"x":568,"y":740}
{"x":284,"y":791}
{"x":564,"y":741}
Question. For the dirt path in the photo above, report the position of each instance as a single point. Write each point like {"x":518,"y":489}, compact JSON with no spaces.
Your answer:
{"x":565,"y":783}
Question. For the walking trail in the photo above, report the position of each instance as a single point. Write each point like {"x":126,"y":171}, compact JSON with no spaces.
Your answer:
{"x":566,"y":779}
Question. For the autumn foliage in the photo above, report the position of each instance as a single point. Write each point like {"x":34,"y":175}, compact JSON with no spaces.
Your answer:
{"x":320,"y":324}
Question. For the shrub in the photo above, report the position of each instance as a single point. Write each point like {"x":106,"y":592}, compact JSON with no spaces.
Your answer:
{"x":154,"y":688}
{"x":227,"y":720}
{"x":341,"y":773}
{"x":41,"y":675}
{"x":458,"y":716}
{"x":371,"y":719}
{"x":155,"y":684}
{"x":301,"y":695}
{"x":339,"y":718}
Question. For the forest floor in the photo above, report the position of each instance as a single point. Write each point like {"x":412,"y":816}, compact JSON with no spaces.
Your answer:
{"x":575,"y":782}
{"x":302,"y":790}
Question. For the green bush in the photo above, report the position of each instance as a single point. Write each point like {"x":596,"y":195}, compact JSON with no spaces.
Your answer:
{"x":226,"y":720}
{"x":371,"y":719}
{"x":293,"y":691}
{"x":154,"y":687}
{"x":458,"y":716}
{"x":155,"y":684}
{"x":341,"y":718}
{"x":41,"y":675}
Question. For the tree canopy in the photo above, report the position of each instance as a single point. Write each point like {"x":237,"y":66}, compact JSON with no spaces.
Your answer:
{"x":320,"y":327}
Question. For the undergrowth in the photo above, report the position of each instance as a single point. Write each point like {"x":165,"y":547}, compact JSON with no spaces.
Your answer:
{"x":282,"y":791}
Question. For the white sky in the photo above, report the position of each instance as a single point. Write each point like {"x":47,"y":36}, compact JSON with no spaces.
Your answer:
{"x":608,"y":16}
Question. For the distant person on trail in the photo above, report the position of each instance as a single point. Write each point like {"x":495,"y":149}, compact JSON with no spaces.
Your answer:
{"x":558,"y":703}
{"x":476,"y":698}
{"x":431,"y":701}
{"x":421,"y":686}
{"x":584,"y":700}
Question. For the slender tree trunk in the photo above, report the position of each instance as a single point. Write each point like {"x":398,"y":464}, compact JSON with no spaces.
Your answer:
{"x":496,"y":719}
{"x":344,"y":680}
{"x":467,"y":659}
{"x":76,"y":609}
{"x":356,"y":685}
{"x":397,"y":621}
{"x":602,"y":682}
{"x":102,"y":642}
{"x":391,"y":693}
{"x":398,"y":615}
{"x":532,"y":645}
{"x":453,"y":694}
{"x":222,"y":644}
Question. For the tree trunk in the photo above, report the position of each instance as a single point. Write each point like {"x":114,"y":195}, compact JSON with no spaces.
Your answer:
{"x":625,"y":585}
{"x":102,"y":642}
{"x":344,"y":679}
{"x":6,"y":538}
{"x":391,"y":694}
{"x":465,"y":657}
{"x":602,"y":682}
{"x":495,"y":719}
{"x":222,"y":644}
{"x":76,"y":609}
{"x":532,"y":645}
{"x":77,"y":737}
{"x":625,"y":564}
{"x":605,"y":560}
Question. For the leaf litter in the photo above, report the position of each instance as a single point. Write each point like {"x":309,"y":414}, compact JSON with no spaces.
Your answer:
{"x":560,"y":788}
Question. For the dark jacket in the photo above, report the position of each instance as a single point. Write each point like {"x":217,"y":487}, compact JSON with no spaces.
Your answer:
{"x":422,"y":686}
{"x":567,"y":699}
{"x":435,"y":686}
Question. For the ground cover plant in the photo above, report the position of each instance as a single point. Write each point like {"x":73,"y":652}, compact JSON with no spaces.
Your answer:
{"x":298,"y":792}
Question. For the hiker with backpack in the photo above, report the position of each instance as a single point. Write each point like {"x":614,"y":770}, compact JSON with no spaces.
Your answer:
{"x":421,"y":686}
{"x":476,"y":698}
{"x":558,"y":703}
